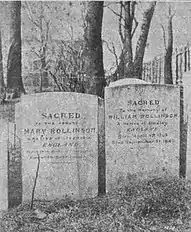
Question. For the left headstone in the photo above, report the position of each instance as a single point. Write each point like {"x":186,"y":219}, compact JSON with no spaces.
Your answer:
{"x":3,"y":165}
{"x":60,"y":144}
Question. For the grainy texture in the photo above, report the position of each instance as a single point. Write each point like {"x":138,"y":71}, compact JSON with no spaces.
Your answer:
{"x":12,"y":154}
{"x":61,"y":128}
{"x":3,"y":166}
{"x":187,"y":123}
{"x":142,"y":131}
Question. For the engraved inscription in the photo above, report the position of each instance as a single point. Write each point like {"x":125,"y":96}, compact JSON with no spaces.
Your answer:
{"x":143,"y":122}
{"x":55,"y":135}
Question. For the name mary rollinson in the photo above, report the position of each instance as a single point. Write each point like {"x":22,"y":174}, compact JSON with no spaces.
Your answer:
{"x":38,"y":131}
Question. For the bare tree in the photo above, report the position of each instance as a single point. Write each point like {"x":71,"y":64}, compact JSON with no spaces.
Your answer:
{"x":58,"y":59}
{"x":168,"y":79}
{"x":93,"y":52}
{"x":69,"y":69}
{"x":42,"y":27}
{"x":129,"y":65}
{"x":14,"y":76}
{"x":142,"y":41}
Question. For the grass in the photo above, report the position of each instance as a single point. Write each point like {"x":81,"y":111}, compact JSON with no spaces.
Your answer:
{"x":158,"y":205}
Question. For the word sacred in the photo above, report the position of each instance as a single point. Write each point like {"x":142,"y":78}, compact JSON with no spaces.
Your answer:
{"x":60,"y":115}
{"x":143,"y":102}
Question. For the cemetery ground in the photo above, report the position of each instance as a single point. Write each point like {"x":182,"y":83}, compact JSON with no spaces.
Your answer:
{"x":161,"y":204}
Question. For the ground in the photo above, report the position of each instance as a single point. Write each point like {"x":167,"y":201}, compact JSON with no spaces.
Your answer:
{"x":161,"y":204}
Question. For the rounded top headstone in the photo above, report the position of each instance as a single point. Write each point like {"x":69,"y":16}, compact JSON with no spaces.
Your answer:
{"x":127,"y":81}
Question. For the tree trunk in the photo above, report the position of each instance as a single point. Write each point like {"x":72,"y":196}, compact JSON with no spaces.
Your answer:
{"x":142,"y":40}
{"x":93,"y":51}
{"x":2,"y":83}
{"x":120,"y":72}
{"x":14,"y":77}
{"x":43,"y":39}
{"x":128,"y":68}
{"x":125,"y":68}
{"x":168,"y":53}
{"x":43,"y":73}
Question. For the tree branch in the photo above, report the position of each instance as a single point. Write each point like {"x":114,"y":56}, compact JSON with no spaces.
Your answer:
{"x":164,"y":36}
{"x":30,"y":15}
{"x":55,"y":80}
{"x":170,"y":12}
{"x":117,"y":14}
{"x":115,"y":54}
{"x":133,"y":4}
{"x":113,"y":51}
{"x":135,"y":28}
{"x":107,"y":4}
{"x":120,"y":23}
{"x":132,"y":17}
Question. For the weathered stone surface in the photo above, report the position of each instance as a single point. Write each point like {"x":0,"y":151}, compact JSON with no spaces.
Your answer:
{"x":101,"y":147}
{"x":59,"y":131}
{"x":187,"y":122}
{"x":142,"y":131}
{"x":127,"y":81}
{"x":3,"y":166}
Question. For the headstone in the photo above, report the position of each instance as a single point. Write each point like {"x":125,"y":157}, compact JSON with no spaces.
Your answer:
{"x":59,"y":136}
{"x":127,"y":81}
{"x":187,"y":121}
{"x":3,"y":166}
{"x":142,"y":131}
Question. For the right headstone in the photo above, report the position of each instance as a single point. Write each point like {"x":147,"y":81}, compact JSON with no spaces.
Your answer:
{"x":3,"y":166}
{"x":142,"y":124}
{"x":187,"y":121}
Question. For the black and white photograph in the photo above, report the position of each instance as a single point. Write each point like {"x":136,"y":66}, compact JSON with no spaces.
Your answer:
{"x":95,"y":116}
